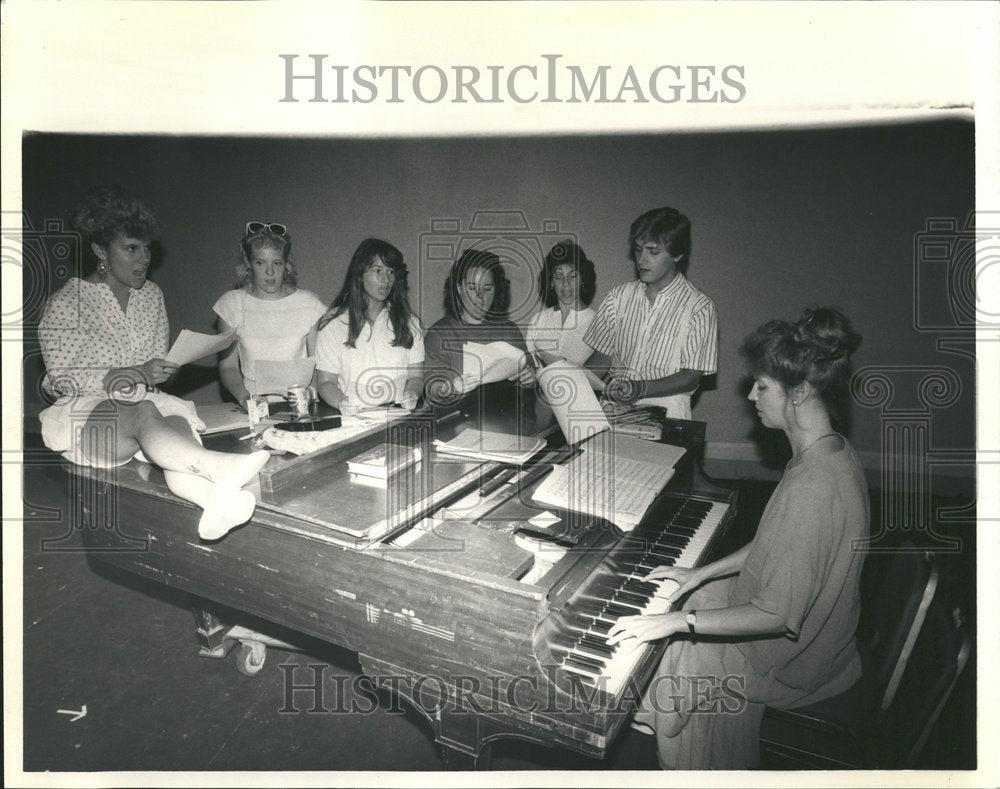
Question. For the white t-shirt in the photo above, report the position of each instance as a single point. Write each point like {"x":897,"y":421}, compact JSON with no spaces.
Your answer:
{"x":273,"y":330}
{"x":548,"y":332}
{"x":374,"y":372}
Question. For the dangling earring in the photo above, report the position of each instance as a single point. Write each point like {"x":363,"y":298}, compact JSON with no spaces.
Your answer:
{"x":102,"y":270}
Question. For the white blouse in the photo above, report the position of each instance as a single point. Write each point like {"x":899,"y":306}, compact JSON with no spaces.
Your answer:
{"x":270,"y":330}
{"x":548,"y":332}
{"x":84,"y":333}
{"x":374,"y":372}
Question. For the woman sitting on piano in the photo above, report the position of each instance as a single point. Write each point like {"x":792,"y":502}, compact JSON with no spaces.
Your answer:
{"x":370,"y":347}
{"x":476,"y":299}
{"x":772,"y":624}
{"x":104,"y":339}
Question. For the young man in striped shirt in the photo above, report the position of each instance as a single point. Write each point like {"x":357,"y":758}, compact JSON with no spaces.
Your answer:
{"x":658,"y":334}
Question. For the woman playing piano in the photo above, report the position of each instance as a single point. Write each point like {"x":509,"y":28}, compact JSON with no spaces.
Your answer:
{"x":103,"y":338}
{"x":772,"y":624}
{"x":370,"y":347}
{"x":273,"y":319}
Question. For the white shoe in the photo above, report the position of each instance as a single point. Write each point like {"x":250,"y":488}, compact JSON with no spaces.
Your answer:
{"x":226,"y":510}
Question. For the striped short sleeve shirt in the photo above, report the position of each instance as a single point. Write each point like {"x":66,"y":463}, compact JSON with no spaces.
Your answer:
{"x":643,"y":339}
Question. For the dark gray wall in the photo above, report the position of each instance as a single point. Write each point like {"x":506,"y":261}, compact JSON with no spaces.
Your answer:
{"x":782,"y":219}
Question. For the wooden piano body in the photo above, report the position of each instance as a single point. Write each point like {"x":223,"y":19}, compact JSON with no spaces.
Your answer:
{"x":455,"y":621}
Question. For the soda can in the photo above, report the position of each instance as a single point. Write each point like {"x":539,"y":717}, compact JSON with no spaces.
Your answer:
{"x":298,"y":399}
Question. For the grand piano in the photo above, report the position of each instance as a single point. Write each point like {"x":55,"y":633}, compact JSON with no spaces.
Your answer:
{"x":454,"y":593}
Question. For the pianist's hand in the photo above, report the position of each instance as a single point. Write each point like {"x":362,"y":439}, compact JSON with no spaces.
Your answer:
{"x":647,"y":628}
{"x":688,"y":579}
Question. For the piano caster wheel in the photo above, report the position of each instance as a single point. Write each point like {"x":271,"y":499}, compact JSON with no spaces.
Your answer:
{"x":250,"y":659}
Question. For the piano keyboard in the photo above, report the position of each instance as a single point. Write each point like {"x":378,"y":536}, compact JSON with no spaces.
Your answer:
{"x":619,"y":589}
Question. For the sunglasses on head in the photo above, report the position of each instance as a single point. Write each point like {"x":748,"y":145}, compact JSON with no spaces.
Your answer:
{"x":274,"y":227}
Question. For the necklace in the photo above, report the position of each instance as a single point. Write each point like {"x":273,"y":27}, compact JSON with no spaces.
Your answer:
{"x":815,"y":441}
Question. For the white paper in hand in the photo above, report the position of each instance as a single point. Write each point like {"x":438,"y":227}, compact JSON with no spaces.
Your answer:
{"x":567,"y":390}
{"x":487,"y":363}
{"x":273,"y":377}
{"x":191,"y":346}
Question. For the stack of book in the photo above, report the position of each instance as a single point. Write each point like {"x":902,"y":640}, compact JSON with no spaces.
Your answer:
{"x":489,"y":445}
{"x":384,"y":460}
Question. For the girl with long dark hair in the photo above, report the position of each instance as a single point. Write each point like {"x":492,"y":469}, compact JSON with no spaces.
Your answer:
{"x":370,"y":348}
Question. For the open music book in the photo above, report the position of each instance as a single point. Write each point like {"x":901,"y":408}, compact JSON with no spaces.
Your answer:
{"x":614,"y":477}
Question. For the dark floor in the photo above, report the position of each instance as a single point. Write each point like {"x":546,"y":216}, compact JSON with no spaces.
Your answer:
{"x":126,"y":649}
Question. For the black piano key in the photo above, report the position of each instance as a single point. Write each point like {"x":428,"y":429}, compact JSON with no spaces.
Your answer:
{"x":647,"y":568}
{"x":573,"y":613}
{"x":601,"y":626}
{"x":635,"y":585}
{"x":597,"y":648}
{"x":702,"y":507}
{"x":630,"y":597}
{"x":597,"y":640}
{"x":617,"y":609}
{"x":580,"y":661}
{"x":663,"y":555}
{"x":675,"y":540}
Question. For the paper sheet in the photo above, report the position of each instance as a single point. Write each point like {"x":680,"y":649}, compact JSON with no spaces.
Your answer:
{"x":490,"y":445}
{"x":490,"y":362}
{"x":221,"y":417}
{"x":191,"y":346}
{"x":567,"y":390}
{"x":273,"y":377}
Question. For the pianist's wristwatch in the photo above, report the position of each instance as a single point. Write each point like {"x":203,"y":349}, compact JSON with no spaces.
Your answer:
{"x":692,"y":620}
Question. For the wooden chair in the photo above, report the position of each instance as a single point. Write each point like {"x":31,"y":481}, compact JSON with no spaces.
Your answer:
{"x":897,"y":591}
{"x":939,"y":657}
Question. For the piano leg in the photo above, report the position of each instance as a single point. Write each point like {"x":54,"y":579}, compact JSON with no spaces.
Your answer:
{"x":460,"y":737}
{"x":465,"y":736}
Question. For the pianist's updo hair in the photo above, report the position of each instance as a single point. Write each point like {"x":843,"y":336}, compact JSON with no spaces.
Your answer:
{"x":816,"y":348}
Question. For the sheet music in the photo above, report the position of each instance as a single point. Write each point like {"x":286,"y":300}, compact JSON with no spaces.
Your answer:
{"x":490,"y":362}
{"x":567,"y":389}
{"x":599,"y":482}
{"x":191,"y":346}
{"x":274,"y":377}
